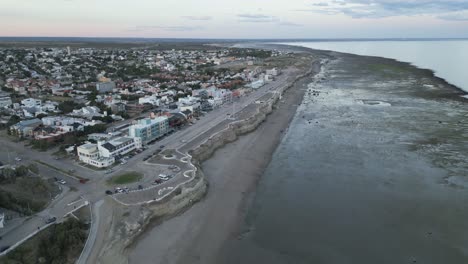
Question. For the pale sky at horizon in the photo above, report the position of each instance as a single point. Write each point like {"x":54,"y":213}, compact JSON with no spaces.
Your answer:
{"x":235,"y":19}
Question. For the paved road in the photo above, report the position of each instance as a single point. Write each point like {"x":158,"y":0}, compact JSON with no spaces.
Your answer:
{"x":93,"y":191}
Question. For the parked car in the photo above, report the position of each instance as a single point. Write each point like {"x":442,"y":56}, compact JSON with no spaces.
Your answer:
{"x":109,"y":192}
{"x":51,"y":220}
{"x":18,"y":159}
{"x":61,"y":181}
{"x":140,"y":187}
{"x":157,"y":181}
{"x":119,"y":190}
{"x":162,"y":146}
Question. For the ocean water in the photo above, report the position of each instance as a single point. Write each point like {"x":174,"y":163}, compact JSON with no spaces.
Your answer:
{"x":354,"y":182}
{"x":447,"y":58}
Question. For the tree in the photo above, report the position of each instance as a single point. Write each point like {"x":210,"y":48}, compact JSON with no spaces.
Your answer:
{"x":14,"y":119}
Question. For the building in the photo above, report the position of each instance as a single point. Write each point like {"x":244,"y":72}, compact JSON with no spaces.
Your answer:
{"x":105,"y":87}
{"x":117,"y":147}
{"x":89,"y":154}
{"x":87,"y":112}
{"x":153,"y":100}
{"x":31,"y":102}
{"x":99,"y":136}
{"x":273,"y":72}
{"x":5,"y":100}
{"x":149,"y":129}
{"x":256,"y":84}
{"x":25,"y":128}
{"x":118,"y":108}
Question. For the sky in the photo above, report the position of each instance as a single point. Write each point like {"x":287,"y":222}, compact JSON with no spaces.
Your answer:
{"x":243,"y":19}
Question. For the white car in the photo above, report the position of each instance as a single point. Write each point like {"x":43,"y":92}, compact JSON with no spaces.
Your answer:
{"x":61,"y":181}
{"x":18,"y":159}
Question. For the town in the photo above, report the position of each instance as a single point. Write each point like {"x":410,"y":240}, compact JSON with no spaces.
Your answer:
{"x":88,"y":131}
{"x":101,"y":104}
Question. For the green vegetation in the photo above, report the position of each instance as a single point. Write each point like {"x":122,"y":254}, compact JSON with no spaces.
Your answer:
{"x":68,"y":107}
{"x":128,"y":177}
{"x":23,"y":193}
{"x":262,"y":54}
{"x":58,"y":244}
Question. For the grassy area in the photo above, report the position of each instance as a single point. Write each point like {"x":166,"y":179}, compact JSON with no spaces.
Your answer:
{"x":27,"y":194}
{"x":69,"y":173}
{"x":128,"y":177}
{"x":61,"y":243}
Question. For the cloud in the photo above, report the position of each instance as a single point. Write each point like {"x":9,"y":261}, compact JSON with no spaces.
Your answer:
{"x":165,"y":28}
{"x":455,"y":16}
{"x":198,"y":18}
{"x":257,"y":18}
{"x":443,"y":9}
{"x":289,"y":24}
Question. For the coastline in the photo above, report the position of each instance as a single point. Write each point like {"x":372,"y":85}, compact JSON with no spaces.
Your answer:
{"x":203,"y":231}
{"x":225,"y":203}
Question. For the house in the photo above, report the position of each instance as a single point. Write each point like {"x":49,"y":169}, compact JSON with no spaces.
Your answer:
{"x":119,"y":108}
{"x":31,"y":102}
{"x":149,"y":129}
{"x":105,"y":87}
{"x":25,"y":128}
{"x":5,"y":100}
{"x":87,"y":112}
{"x":153,"y":100}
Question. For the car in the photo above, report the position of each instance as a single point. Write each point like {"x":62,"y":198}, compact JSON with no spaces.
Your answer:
{"x":109,"y":192}
{"x":123,"y":162}
{"x":183,"y":141}
{"x":157,"y":182}
{"x":109,"y":171}
{"x":61,"y":181}
{"x":51,"y":220}
{"x":119,"y":190}
{"x":140,"y":187}
{"x":18,"y":159}
{"x":162,"y":146}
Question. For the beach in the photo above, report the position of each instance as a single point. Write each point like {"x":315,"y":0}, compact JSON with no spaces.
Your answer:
{"x":232,"y":172}
{"x":370,"y":171}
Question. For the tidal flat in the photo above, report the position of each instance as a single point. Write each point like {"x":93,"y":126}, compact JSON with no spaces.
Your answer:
{"x":373,"y":169}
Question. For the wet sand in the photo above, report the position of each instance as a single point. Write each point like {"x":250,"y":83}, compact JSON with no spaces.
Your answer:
{"x":372,"y":170}
{"x":197,"y":235}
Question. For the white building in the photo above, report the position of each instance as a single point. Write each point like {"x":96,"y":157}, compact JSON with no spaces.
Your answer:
{"x":256,"y":84}
{"x":5,"y":100}
{"x":149,"y":129}
{"x":116,"y":147}
{"x":89,"y":154}
{"x":31,"y":102}
{"x":153,"y":100}
{"x":87,"y":112}
{"x":273,"y":72}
